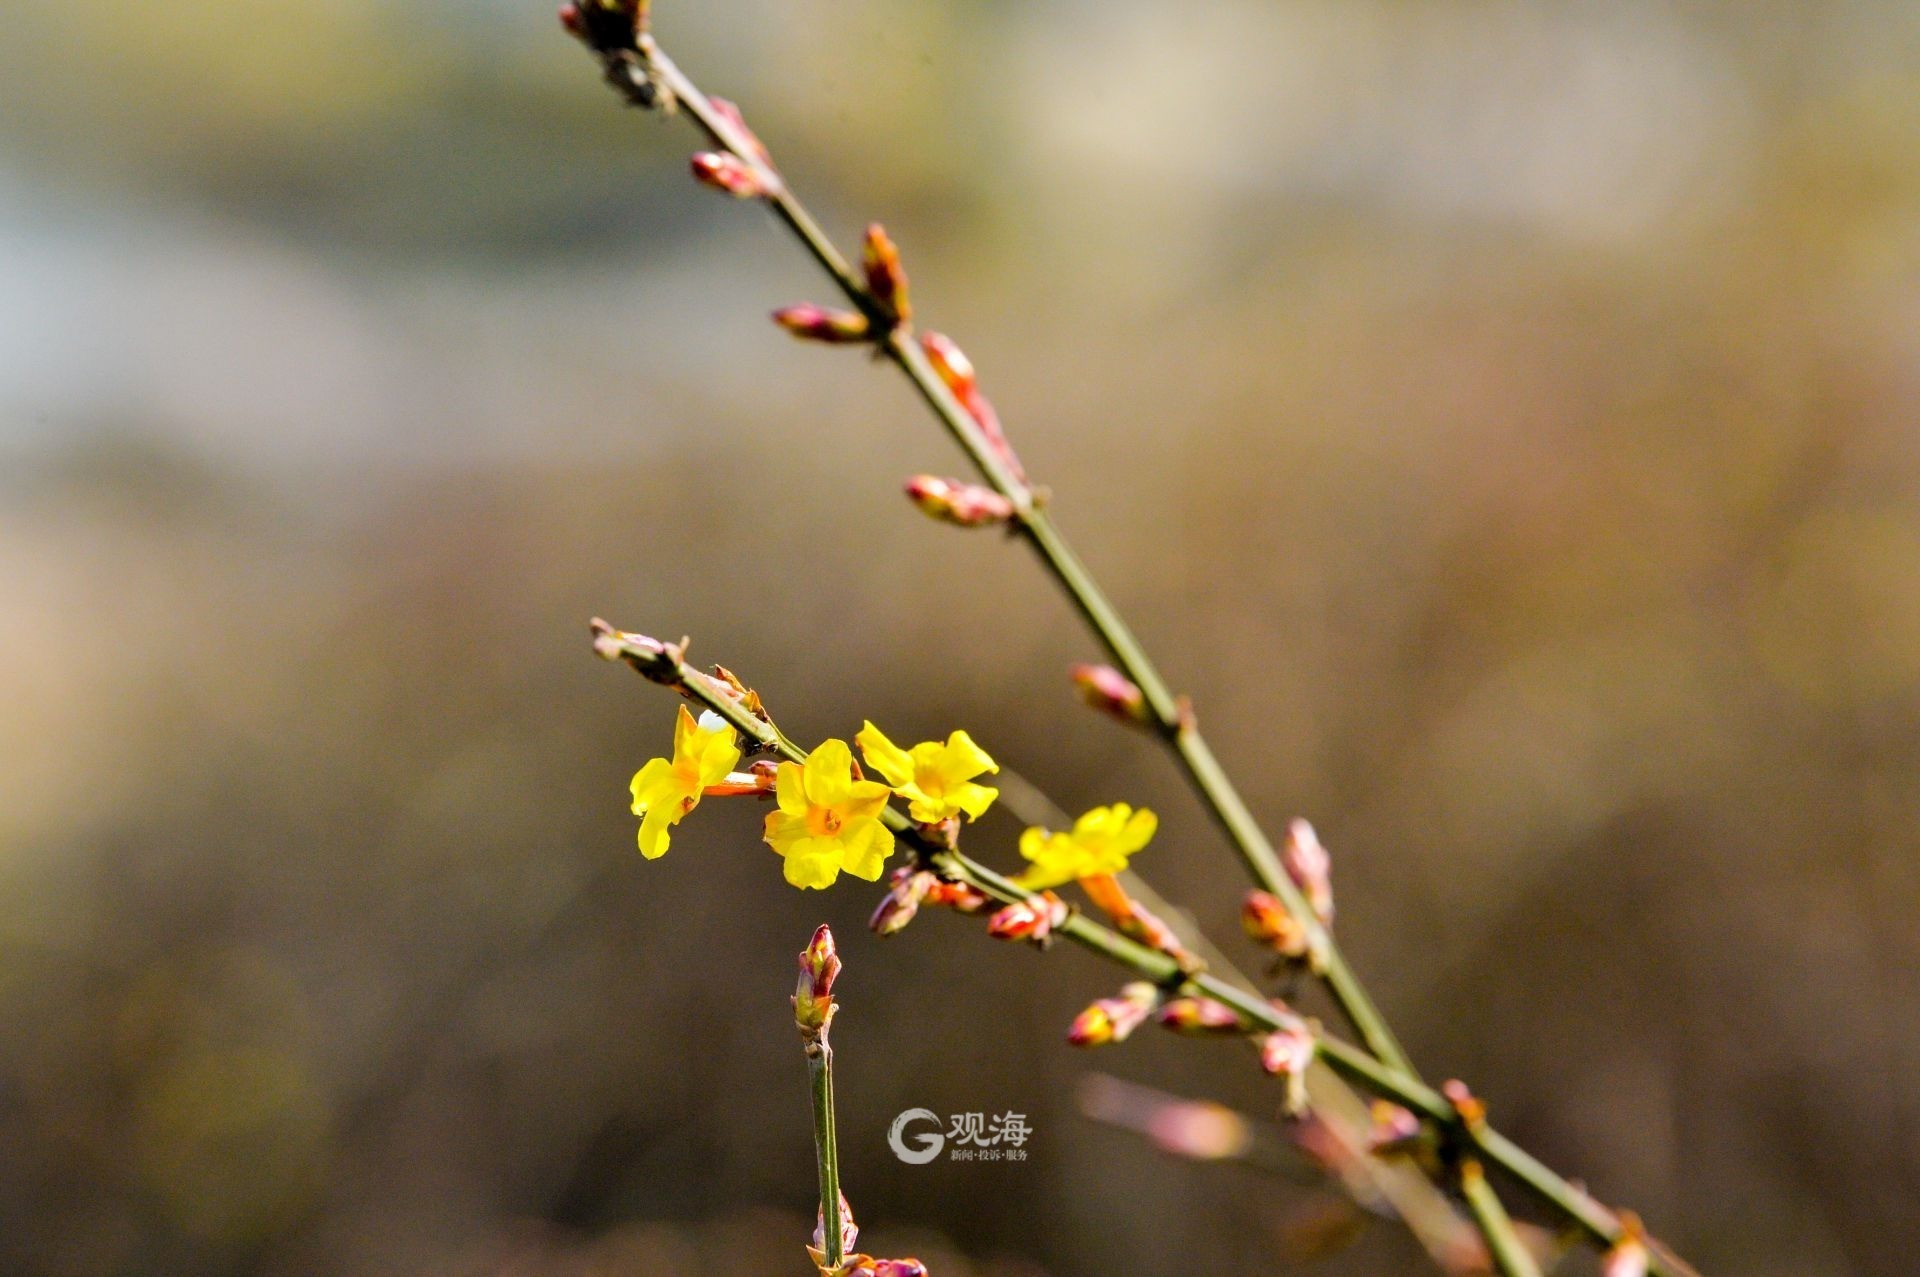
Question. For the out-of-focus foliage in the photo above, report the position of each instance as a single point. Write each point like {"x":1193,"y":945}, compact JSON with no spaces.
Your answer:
{"x":1500,"y":415}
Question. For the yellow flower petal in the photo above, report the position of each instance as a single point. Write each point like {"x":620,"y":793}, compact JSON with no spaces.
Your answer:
{"x":829,"y":774}
{"x":650,"y":783}
{"x":866,"y":852}
{"x":653,"y":829}
{"x":885,"y":757}
{"x":811,"y":869}
{"x":964,"y":760}
{"x":789,"y":789}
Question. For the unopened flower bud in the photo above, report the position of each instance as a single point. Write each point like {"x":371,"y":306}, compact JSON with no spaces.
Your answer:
{"x":899,"y":1268}
{"x":1471,"y":1110}
{"x":1395,"y":1130}
{"x":959,"y":897}
{"x":955,"y":371}
{"x":730,"y":173}
{"x":849,"y":1231}
{"x":902,"y":901}
{"x":1200,"y":1017}
{"x":1286,"y":1052}
{"x":822,"y":323}
{"x":1114,"y":1019}
{"x":886,"y":277}
{"x":731,"y":114}
{"x":1311,"y":869}
{"x":966,"y":505}
{"x":813,"y":995}
{"x":1268,"y":924}
{"x":1628,"y":1256}
{"x":1109,"y":691}
{"x":1032,"y":919}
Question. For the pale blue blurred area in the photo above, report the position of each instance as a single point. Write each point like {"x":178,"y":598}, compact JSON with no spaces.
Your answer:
{"x":1500,"y":416}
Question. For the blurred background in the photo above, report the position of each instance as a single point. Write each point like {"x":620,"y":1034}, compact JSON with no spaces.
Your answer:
{"x":1500,"y":417}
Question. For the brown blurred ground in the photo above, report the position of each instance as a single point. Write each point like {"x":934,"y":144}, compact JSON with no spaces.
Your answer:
{"x":1500,"y":416}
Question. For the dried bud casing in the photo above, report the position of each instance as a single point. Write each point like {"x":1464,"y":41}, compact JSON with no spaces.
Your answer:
{"x":1311,"y":869}
{"x":1111,"y":692}
{"x":849,"y":1231}
{"x":1114,"y":1019}
{"x":730,"y":173}
{"x":966,"y":505}
{"x":1200,"y":1017}
{"x":824,"y":324}
{"x":902,"y":901}
{"x":813,"y":995}
{"x":886,"y":276}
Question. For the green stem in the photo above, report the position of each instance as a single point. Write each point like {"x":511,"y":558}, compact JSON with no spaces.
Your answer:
{"x":1176,"y":725}
{"x":665,"y":666}
{"x":826,"y":1146}
{"x":1511,"y":1258}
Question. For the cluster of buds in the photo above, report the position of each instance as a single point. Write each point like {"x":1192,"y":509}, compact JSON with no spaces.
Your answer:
{"x":1287,"y":1052}
{"x":966,"y":505}
{"x":813,"y":1005}
{"x":1200,"y":1017}
{"x":955,"y":371}
{"x":1111,"y":692}
{"x":1114,"y":1019}
{"x":905,"y":892}
{"x":1311,"y":869}
{"x":1032,"y":919}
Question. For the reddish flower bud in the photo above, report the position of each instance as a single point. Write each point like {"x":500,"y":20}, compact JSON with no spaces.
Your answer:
{"x":1032,"y":920}
{"x":955,"y":371}
{"x":731,"y":114}
{"x":1114,"y":1019}
{"x":899,"y":1268}
{"x":1396,"y":1130}
{"x":1628,"y":1256}
{"x":731,"y":174}
{"x":902,"y":901}
{"x":1268,"y":924}
{"x":966,"y":505}
{"x":1286,"y":1052}
{"x":1200,"y":1017}
{"x":1471,"y":1111}
{"x":821,"y":323}
{"x":959,"y":897}
{"x":1310,"y":868}
{"x":813,"y":995}
{"x":1109,"y":691}
{"x":886,"y":277}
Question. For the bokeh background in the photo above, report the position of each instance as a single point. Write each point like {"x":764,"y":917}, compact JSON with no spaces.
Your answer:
{"x":1501,"y":417}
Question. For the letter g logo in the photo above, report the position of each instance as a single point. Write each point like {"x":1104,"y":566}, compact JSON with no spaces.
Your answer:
{"x":929,"y":1142}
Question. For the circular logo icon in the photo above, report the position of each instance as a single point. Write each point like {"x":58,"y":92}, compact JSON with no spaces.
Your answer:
{"x":928,"y":1143}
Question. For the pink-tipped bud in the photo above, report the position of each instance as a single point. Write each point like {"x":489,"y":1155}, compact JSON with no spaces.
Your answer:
{"x":1114,"y":1019}
{"x":1286,"y":1052}
{"x":849,"y":1231}
{"x":1200,"y":1017}
{"x":1395,"y":1130}
{"x":966,"y":505}
{"x":1111,"y":692}
{"x":731,"y":114}
{"x":899,"y":1268}
{"x":959,"y":897}
{"x":1268,"y":924}
{"x":955,"y":371}
{"x":1628,"y":1256}
{"x":886,"y":277}
{"x":897,"y":908}
{"x":1471,"y":1111}
{"x":1311,"y":869}
{"x":823,"y":323}
{"x":813,"y":995}
{"x":1032,"y":920}
{"x":731,"y":174}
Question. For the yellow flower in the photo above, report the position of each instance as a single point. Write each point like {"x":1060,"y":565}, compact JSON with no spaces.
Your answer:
{"x":935,"y":779}
{"x":663,"y":791}
{"x":828,"y":821}
{"x":1099,"y":843}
